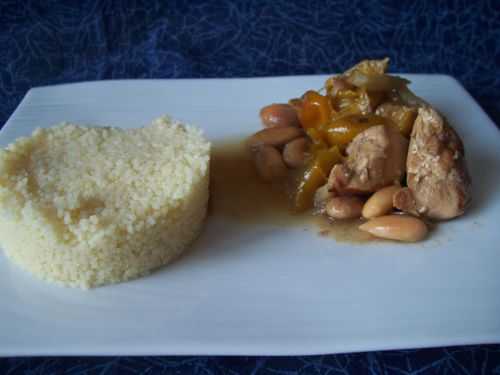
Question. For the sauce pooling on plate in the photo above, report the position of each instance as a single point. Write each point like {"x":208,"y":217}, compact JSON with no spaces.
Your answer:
{"x":237,"y":193}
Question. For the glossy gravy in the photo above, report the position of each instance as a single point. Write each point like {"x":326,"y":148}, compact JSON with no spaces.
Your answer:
{"x":236,"y":192}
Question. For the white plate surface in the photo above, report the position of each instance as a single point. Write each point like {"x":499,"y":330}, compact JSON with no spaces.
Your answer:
{"x":262,"y":290}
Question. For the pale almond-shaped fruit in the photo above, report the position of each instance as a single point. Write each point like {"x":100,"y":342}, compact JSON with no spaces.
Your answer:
{"x":396,"y":227}
{"x":344,"y":207}
{"x":269,"y":163}
{"x":279,"y":114}
{"x":277,"y":136}
{"x":380,"y":203}
{"x":295,"y":152}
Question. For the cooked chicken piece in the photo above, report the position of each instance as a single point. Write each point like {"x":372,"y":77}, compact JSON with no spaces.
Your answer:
{"x":404,"y":95}
{"x":403,"y":199}
{"x":439,"y":186}
{"x":376,"y":158}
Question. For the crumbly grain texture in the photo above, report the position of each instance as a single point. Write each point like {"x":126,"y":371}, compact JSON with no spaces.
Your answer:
{"x":89,"y":206}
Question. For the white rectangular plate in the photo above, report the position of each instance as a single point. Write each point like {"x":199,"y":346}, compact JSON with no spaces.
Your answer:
{"x":263,"y":290}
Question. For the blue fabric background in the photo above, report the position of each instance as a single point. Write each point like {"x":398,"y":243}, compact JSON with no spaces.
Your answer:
{"x":47,"y":42}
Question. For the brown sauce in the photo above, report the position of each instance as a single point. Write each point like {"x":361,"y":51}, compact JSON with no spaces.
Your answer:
{"x":237,"y":193}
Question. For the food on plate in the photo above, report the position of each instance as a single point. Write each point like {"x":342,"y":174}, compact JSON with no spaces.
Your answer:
{"x":88,"y":206}
{"x":396,"y":227}
{"x":295,"y":152}
{"x":279,"y":115}
{"x":366,"y":148}
{"x":277,"y":136}
{"x":312,"y":176}
{"x":403,"y":116}
{"x":269,"y":163}
{"x":380,"y":202}
{"x":439,"y":186}
{"x":344,"y":207}
{"x":265,"y":145}
{"x":375,"y":158}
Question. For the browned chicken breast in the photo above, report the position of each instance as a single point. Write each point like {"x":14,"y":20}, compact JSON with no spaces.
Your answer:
{"x":376,"y":158}
{"x":439,"y":186}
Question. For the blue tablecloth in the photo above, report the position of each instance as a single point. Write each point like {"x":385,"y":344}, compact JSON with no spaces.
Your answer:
{"x":47,"y":42}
